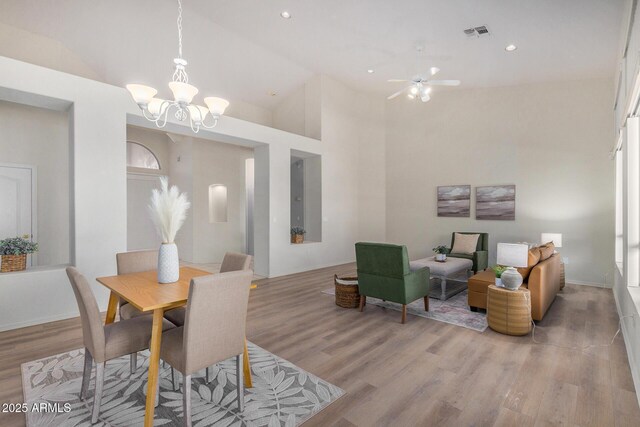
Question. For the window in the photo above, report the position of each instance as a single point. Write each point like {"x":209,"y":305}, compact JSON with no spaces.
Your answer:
{"x":139,"y":156}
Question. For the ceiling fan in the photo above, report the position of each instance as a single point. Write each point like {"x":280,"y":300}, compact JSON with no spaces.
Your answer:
{"x":420,"y":87}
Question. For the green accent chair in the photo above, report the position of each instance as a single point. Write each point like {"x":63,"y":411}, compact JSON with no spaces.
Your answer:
{"x":383,"y":272}
{"x":480,"y":257}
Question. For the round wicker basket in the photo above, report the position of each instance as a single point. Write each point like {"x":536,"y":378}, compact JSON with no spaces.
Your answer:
{"x":13,"y":263}
{"x":347,"y":294}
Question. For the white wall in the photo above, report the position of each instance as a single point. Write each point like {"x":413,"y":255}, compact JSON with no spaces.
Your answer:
{"x":550,"y":140}
{"x":40,"y":138}
{"x":218,"y":163}
{"x":98,"y":226}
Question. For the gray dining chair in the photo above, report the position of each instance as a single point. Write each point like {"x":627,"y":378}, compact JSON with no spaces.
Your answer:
{"x":134,"y":262}
{"x":213,"y":331}
{"x":232,"y":261}
{"x":105,"y":342}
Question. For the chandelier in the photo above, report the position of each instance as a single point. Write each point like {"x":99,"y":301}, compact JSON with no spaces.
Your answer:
{"x":157,"y":110}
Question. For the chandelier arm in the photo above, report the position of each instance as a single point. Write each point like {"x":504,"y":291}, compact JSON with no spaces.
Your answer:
{"x":166,"y":115}
{"x":215,"y":123}
{"x":194,"y":129}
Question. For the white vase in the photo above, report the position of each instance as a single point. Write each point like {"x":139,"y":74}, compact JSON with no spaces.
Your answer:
{"x":511,"y":279}
{"x":441,"y":257}
{"x":498,"y":282}
{"x":168,"y":263}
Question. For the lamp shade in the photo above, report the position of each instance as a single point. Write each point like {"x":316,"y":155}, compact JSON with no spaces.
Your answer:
{"x":216,"y":105}
{"x":197,"y":113}
{"x":157,"y":106}
{"x":141,"y":94}
{"x":513,"y":254}
{"x":183,"y":92}
{"x":556,"y":238}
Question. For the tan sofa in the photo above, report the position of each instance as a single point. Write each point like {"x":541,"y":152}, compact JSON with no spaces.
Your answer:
{"x":542,"y":279}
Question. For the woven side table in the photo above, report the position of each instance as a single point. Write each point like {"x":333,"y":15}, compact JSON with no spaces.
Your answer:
{"x":347,"y":291}
{"x":509,"y":312}
{"x":561,"y":275}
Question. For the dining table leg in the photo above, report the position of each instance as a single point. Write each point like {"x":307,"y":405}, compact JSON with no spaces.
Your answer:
{"x":112,"y":308}
{"x":154,"y":365}
{"x":246,"y":367}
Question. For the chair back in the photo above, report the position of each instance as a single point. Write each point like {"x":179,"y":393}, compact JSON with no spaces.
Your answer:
{"x":483,"y":239}
{"x":215,"y":321}
{"x":92,"y":328}
{"x":137,"y":261}
{"x":234,"y":261}
{"x":382,"y":259}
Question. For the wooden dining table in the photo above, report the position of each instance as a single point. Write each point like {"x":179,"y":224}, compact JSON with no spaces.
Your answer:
{"x":143,"y":291}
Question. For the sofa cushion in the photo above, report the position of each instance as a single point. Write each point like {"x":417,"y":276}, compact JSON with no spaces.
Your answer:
{"x":465,"y":243}
{"x":480,"y":282}
{"x":534,"y":258}
{"x":546,"y":251}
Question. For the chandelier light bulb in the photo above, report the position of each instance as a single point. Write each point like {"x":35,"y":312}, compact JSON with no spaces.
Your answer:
{"x":141,"y":94}
{"x":216,"y":105}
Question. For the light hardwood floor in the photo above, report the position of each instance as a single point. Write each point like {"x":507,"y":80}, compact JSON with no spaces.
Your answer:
{"x":423,"y":373}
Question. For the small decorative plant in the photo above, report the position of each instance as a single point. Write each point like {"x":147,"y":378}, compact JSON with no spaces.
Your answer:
{"x":14,"y":251}
{"x":297,"y":234}
{"x":441,"y":249}
{"x":168,"y":210}
{"x":17,"y":246}
{"x":498,"y":270}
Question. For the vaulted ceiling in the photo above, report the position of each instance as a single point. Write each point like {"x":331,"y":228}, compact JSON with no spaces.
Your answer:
{"x":244,"y":50}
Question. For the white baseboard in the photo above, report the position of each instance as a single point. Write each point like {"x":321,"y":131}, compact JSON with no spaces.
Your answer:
{"x":583,"y":283}
{"x":628,"y":340}
{"x":38,"y":321}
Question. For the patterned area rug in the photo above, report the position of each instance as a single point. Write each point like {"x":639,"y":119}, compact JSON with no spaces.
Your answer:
{"x":282,"y":393}
{"x":454,"y":310}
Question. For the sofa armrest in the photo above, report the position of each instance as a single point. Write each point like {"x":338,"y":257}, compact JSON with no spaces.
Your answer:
{"x":544,"y":284}
{"x":480,"y":260}
{"x":417,"y":284}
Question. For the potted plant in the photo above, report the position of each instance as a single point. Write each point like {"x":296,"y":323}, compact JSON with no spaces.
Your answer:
{"x":14,"y":251}
{"x":168,"y":210}
{"x":297,"y":234}
{"x":498,"y":270}
{"x":441,"y":253}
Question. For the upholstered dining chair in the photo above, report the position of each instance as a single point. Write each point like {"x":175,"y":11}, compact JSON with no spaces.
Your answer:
{"x":213,"y":331}
{"x":232,"y":261}
{"x":134,"y":262}
{"x":105,"y":342}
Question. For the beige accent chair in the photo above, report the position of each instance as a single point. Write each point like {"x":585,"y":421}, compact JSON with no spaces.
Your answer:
{"x":134,"y":262}
{"x":213,"y":331}
{"x":232,"y":261}
{"x":105,"y":342}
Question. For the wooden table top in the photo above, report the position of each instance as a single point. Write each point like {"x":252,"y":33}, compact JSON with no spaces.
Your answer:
{"x":143,"y":291}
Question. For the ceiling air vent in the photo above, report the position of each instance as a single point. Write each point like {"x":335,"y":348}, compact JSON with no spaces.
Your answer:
{"x":475,"y":32}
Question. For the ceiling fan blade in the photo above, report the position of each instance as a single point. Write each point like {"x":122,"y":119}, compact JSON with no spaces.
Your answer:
{"x":397,"y":80}
{"x":398,"y":93}
{"x":442,"y":82}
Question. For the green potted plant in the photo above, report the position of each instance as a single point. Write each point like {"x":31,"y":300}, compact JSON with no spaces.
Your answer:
{"x":498,"y":270}
{"x":297,"y":234}
{"x":14,"y":251}
{"x":441,"y":253}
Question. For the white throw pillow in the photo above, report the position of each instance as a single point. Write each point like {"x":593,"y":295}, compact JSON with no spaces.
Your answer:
{"x":465,"y":243}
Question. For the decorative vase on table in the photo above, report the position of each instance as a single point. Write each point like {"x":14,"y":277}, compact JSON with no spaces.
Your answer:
{"x":168,"y":211}
{"x":441,"y":257}
{"x":168,"y":263}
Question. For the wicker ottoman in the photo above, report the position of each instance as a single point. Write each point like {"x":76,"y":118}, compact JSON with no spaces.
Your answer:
{"x":509,"y":312}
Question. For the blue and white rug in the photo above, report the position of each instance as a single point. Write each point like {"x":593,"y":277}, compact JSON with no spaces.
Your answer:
{"x":282,"y":394}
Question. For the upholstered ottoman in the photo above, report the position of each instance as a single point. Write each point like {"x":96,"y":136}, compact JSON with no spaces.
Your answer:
{"x":443,"y":271}
{"x":478,"y":284}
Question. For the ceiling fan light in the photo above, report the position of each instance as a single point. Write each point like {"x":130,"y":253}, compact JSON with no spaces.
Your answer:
{"x":425,"y":98}
{"x":413,"y":90}
{"x":425,"y":91}
{"x":141,"y":94}
{"x":216,"y":105}
{"x":183,"y":92}
{"x":411,"y":96}
{"x":157,"y":106}
{"x":198,"y":113}
{"x":434,"y":70}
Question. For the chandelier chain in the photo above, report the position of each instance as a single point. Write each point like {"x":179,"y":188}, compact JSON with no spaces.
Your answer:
{"x":180,"y":29}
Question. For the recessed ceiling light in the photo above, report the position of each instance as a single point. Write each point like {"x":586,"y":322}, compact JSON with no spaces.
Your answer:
{"x":285,"y":14}
{"x":371,"y":71}
{"x":272,"y":93}
{"x":511,"y":48}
